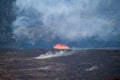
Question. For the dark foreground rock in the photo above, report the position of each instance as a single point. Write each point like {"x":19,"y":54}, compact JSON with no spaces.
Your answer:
{"x":80,"y":65}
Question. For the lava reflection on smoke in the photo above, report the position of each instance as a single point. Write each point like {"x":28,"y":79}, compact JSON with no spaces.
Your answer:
{"x":61,"y":46}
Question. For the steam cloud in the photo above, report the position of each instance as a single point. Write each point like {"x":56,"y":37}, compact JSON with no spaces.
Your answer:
{"x":55,"y":54}
{"x":66,"y":19}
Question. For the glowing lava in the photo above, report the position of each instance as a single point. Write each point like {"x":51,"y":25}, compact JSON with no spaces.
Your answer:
{"x":61,"y":46}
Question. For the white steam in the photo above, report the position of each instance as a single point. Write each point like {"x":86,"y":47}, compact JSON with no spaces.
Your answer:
{"x":92,"y":68}
{"x":55,"y":54}
{"x":67,"y":19}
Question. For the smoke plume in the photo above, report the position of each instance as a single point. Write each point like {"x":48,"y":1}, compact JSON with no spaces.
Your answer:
{"x":55,"y":54}
{"x":66,"y":19}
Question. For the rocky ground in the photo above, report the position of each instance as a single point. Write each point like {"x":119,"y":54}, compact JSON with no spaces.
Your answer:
{"x":79,"y":65}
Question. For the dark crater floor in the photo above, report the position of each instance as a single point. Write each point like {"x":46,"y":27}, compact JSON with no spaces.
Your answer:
{"x":80,"y":65}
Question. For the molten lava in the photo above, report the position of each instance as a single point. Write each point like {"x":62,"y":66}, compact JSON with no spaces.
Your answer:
{"x":61,"y":46}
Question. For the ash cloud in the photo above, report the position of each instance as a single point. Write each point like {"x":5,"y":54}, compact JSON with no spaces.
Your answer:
{"x":67,"y":19}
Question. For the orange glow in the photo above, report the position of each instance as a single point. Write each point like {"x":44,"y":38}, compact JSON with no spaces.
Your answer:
{"x":61,"y":46}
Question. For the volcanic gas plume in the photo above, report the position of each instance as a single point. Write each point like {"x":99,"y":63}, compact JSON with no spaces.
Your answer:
{"x":85,"y":23}
{"x":61,"y":46}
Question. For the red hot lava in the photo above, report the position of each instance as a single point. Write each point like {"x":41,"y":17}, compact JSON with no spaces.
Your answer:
{"x":61,"y":46}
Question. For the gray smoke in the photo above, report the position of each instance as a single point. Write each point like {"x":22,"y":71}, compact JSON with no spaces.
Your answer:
{"x":55,"y":54}
{"x":66,"y":19}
